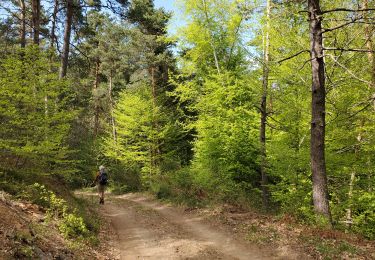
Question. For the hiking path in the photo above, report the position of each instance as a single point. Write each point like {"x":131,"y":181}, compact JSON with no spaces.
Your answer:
{"x":144,"y":228}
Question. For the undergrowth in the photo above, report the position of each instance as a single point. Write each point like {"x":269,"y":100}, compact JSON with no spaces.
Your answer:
{"x":73,"y":221}
{"x":331,"y":248}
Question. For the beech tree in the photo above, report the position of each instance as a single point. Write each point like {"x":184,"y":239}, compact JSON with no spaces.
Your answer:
{"x":318,"y":112}
{"x":263,"y":107}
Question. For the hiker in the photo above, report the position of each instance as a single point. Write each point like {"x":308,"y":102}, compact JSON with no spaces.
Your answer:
{"x":101,"y":180}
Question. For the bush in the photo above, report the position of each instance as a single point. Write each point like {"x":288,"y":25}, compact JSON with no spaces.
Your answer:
{"x":364,"y":214}
{"x":69,"y":223}
{"x":72,"y":226}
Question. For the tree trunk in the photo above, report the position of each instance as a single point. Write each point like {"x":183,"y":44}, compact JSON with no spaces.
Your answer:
{"x":53,"y":27}
{"x":154,"y":126}
{"x":67,"y":33}
{"x":349,"y":220}
{"x":96,"y":106}
{"x":318,"y":166}
{"x":370,"y":47}
{"x":36,"y":20}
{"x":263,"y":106}
{"x":110,"y":88}
{"x":211,"y":40}
{"x":368,"y":36}
{"x":23,"y":23}
{"x":153,"y":85}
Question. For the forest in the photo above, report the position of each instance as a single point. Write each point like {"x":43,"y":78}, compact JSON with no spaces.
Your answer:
{"x":266,"y":104}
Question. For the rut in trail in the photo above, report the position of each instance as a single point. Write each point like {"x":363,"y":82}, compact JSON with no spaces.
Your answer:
{"x":148,"y":230}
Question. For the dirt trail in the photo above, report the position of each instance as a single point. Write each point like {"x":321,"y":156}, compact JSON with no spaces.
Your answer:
{"x":149,"y":230}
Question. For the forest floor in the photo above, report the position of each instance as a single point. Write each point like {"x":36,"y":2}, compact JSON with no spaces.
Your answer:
{"x":144,"y":228}
{"x":137,"y":226}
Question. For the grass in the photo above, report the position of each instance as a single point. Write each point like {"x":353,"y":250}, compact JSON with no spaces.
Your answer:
{"x":330,"y":248}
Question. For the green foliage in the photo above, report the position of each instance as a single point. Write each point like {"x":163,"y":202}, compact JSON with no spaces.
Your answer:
{"x":225,"y":136}
{"x":364,"y":214}
{"x":70,"y":224}
{"x":11,"y":182}
{"x":135,"y":134}
{"x":288,"y":123}
{"x":193,"y":138}
{"x":144,"y":137}
{"x":220,"y":94}
{"x":226,"y":145}
{"x":34,"y":112}
{"x":152,"y":20}
{"x":180,"y":187}
{"x":214,"y":28}
{"x":40,"y":195}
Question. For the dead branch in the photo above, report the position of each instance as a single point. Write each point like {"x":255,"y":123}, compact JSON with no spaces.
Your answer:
{"x":343,"y":49}
{"x":341,"y":25}
{"x":294,"y":55}
{"x":347,"y":10}
{"x":347,"y":70}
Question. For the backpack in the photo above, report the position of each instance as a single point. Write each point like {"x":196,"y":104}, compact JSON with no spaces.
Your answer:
{"x":103,"y":178}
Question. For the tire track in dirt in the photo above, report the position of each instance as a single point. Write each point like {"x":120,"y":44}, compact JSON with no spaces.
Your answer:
{"x":149,"y":230}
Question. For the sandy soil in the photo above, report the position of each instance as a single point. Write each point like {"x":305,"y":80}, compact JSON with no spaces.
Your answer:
{"x":146,"y":229}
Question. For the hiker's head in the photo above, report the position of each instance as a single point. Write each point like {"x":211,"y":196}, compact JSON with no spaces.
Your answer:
{"x":101,"y":168}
